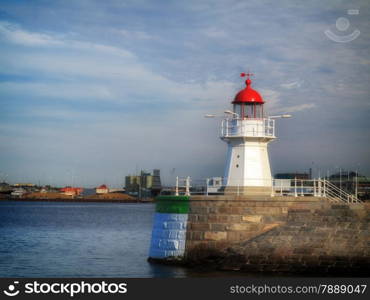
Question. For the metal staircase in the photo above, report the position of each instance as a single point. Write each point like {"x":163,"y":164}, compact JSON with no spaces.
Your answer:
{"x":335,"y":194}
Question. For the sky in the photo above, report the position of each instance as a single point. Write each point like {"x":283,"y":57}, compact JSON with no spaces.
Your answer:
{"x":92,"y":91}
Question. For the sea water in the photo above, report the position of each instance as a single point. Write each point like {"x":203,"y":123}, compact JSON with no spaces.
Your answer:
{"x":74,"y":239}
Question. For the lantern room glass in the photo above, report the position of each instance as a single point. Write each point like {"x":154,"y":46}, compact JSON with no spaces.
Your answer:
{"x":249,"y":110}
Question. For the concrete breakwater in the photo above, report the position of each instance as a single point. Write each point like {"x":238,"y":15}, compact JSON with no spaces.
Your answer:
{"x":305,"y":235}
{"x":169,"y":227}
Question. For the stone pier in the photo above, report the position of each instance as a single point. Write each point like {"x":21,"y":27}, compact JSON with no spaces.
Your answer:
{"x":305,"y":235}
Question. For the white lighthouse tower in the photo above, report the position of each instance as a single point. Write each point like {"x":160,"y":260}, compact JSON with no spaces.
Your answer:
{"x":247,"y":133}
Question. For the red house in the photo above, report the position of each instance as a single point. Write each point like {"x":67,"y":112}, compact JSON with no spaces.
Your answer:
{"x":71,"y":191}
{"x":103,"y":189}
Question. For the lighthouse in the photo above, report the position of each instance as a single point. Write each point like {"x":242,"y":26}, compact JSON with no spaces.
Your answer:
{"x":247,"y":132}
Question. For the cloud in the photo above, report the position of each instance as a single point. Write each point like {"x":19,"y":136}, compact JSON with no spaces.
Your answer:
{"x":275,"y":104}
{"x":12,"y":33}
{"x":112,"y":85}
{"x":129,"y":34}
{"x":292,"y":85}
{"x":86,"y":72}
{"x":105,"y":65}
{"x":62,"y":91}
{"x":296,"y":108}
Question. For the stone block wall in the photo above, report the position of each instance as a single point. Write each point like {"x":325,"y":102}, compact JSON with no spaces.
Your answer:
{"x":331,"y":240}
{"x":220,"y":221}
{"x":280,"y":234}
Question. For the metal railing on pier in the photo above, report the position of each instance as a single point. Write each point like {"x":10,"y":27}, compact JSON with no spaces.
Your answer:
{"x":279,"y":187}
{"x":312,"y":187}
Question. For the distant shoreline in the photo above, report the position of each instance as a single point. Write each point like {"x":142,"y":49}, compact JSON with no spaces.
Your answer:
{"x":86,"y":200}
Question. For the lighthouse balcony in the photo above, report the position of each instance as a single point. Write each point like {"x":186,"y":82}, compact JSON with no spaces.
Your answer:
{"x":258,"y":128}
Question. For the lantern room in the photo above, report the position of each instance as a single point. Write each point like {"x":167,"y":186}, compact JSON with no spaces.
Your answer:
{"x":248,"y":103}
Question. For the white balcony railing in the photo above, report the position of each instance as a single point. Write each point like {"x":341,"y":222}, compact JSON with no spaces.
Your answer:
{"x":264,"y":128}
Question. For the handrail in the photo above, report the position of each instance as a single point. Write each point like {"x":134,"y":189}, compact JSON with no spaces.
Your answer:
{"x":282,"y":187}
{"x":263,"y":127}
{"x":343,"y":195}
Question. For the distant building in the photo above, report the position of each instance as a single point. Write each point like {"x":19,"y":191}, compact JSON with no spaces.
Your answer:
{"x":363,"y":188}
{"x":353,"y":183}
{"x":144,"y":185}
{"x":292,"y":176}
{"x":120,"y":190}
{"x":156,"y":183}
{"x":5,"y":188}
{"x":214,"y":185}
{"x":24,"y":185}
{"x":71,"y":191}
{"x":132,"y":183}
{"x":283,"y":181}
{"x":103,"y":189}
{"x":18,"y":192}
{"x":345,"y":175}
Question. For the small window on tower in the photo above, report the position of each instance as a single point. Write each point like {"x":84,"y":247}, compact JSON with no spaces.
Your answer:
{"x":237,"y":166}
{"x":238,"y":156}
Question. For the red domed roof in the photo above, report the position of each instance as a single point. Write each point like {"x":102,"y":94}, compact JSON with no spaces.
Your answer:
{"x":248,"y":95}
